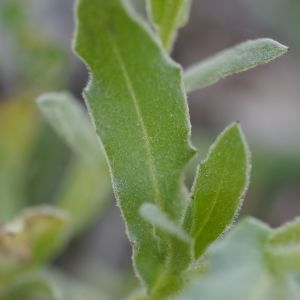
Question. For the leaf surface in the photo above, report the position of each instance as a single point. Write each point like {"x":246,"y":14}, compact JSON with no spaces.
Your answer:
{"x":87,"y":186}
{"x":283,"y":247}
{"x":218,"y":189}
{"x":240,"y":58}
{"x":140,"y":112}
{"x":237,"y":269}
{"x":152,"y":214}
{"x":168,"y":16}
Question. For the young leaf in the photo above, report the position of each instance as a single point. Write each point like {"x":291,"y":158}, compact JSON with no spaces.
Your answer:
{"x":140,"y":113}
{"x":168,"y":16}
{"x":283,"y":247}
{"x":240,"y":58}
{"x":218,"y":189}
{"x":87,"y":185}
{"x":237,"y":269}
{"x":153,"y":215}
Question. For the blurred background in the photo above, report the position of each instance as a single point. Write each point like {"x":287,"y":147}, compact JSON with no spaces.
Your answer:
{"x":36,"y":56}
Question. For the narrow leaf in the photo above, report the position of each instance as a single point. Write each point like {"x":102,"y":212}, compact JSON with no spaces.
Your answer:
{"x":283,"y":247}
{"x":140,"y":112}
{"x":152,"y":214}
{"x":240,"y":58}
{"x":168,"y":16}
{"x":219,"y":187}
{"x":70,"y":122}
{"x":86,"y":187}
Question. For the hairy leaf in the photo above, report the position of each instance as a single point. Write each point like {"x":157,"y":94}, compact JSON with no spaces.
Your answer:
{"x":140,"y":113}
{"x":152,"y":214}
{"x":240,"y":58}
{"x":86,"y":187}
{"x":237,"y":269}
{"x":168,"y":16}
{"x":283,"y":247}
{"x":218,"y":189}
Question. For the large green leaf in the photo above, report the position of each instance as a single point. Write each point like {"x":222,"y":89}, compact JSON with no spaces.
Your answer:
{"x":219,"y":186}
{"x":283,"y":247}
{"x":240,"y":58}
{"x":140,"y":113}
{"x":237,"y":269}
{"x":168,"y":16}
{"x":86,"y":186}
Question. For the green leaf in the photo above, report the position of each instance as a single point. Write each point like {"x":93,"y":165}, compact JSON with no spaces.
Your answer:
{"x":168,"y":16}
{"x":152,"y":214}
{"x":240,"y":58}
{"x":70,"y":122}
{"x":219,"y":187}
{"x":18,"y":128}
{"x":140,"y":112}
{"x":237,"y":269}
{"x":86,"y":187}
{"x":283,"y":247}
{"x":31,"y":286}
{"x":33,"y":237}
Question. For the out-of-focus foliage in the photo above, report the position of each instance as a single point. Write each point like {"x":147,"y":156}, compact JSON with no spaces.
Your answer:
{"x":38,"y":61}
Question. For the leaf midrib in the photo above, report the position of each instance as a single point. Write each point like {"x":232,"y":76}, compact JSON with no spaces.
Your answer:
{"x":215,"y":200}
{"x":145,"y":135}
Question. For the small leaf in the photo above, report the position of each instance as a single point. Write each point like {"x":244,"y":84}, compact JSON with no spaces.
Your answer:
{"x":35,"y":236}
{"x":168,"y":16}
{"x":283,"y":247}
{"x":237,"y":269}
{"x":152,"y":214}
{"x":219,"y":187}
{"x":240,"y":58}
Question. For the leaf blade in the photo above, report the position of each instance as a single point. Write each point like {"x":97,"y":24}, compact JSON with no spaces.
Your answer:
{"x":152,"y":214}
{"x":237,"y":266}
{"x":283,"y":247}
{"x":87,"y":186}
{"x":168,"y":16}
{"x":218,"y":189}
{"x":240,"y":58}
{"x":137,"y":125}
